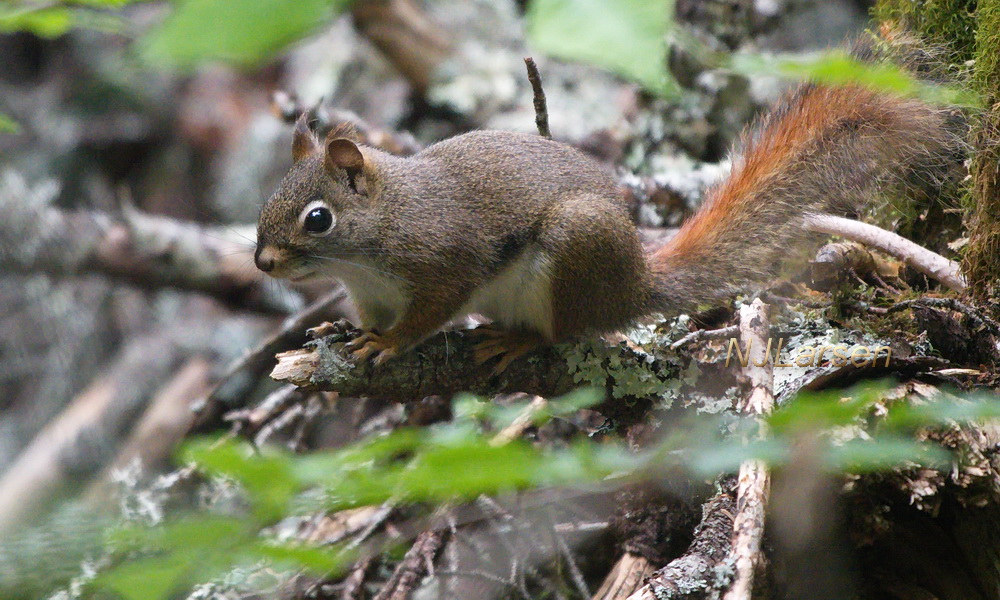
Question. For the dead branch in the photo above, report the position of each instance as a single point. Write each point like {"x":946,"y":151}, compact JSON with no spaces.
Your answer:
{"x":520,"y":423}
{"x":538,"y":98}
{"x":417,"y":563}
{"x":442,"y":365}
{"x":246,"y":369}
{"x":289,"y":109}
{"x":163,"y":425}
{"x":354,"y":585}
{"x":144,"y":250}
{"x":929,"y":263}
{"x":706,"y":334}
{"x":654,"y":526}
{"x":400,"y":29}
{"x":978,"y":319}
{"x":754,"y":477}
{"x":701,"y":570}
{"x":626,"y":577}
{"x":77,"y":443}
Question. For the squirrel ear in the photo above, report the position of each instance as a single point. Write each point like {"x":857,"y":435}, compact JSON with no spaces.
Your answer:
{"x":304,"y":143}
{"x":342,"y":153}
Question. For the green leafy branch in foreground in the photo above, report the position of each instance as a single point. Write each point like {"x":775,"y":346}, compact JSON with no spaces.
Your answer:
{"x":53,"y":19}
{"x":628,"y":37}
{"x":458,"y":461}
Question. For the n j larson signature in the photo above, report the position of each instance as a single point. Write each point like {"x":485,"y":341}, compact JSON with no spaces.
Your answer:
{"x":808,"y":356}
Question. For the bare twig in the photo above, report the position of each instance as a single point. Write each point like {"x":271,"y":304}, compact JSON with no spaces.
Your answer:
{"x":144,"y":250}
{"x":248,"y":422}
{"x":354,"y":585}
{"x":415,"y":565}
{"x":520,"y":423}
{"x":698,"y":573}
{"x":754,"y":478}
{"x":979,"y":319}
{"x":929,"y":263}
{"x":289,"y":109}
{"x":538,"y":98}
{"x":246,"y":368}
{"x":626,"y":577}
{"x":706,"y":334}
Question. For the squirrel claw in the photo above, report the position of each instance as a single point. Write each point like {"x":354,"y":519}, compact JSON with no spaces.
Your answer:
{"x":508,"y":345}
{"x":372,"y":345}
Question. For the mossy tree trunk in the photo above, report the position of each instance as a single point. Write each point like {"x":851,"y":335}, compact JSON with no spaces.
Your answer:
{"x":982,"y":258}
{"x":970,"y":30}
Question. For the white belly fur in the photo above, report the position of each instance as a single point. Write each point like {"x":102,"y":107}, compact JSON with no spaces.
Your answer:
{"x":519,"y":297}
{"x":381,"y":296}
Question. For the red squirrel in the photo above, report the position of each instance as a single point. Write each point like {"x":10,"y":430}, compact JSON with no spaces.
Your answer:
{"x":534,"y":235}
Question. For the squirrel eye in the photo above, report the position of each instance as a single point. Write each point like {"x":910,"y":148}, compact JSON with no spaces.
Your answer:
{"x":317,"y":219}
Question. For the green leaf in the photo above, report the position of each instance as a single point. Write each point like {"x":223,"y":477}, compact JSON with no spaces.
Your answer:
{"x":246,"y":32}
{"x":883,"y":452}
{"x":8,"y":125}
{"x":268,"y":478}
{"x":45,"y":22}
{"x":152,"y":578}
{"x":836,"y":67}
{"x":321,"y":561}
{"x":627,"y":37}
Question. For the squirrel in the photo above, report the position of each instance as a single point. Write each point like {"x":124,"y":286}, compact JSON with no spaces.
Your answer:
{"x":535,"y":235}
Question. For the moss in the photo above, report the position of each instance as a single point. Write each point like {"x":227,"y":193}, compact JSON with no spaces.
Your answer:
{"x":982,"y":257}
{"x":950,"y":24}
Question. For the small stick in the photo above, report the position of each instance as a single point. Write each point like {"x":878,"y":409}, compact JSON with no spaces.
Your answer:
{"x":929,"y":263}
{"x":754,"y":479}
{"x":538,"y":97}
{"x":520,"y":423}
{"x":978,"y":319}
{"x":706,"y":334}
{"x":254,"y":360}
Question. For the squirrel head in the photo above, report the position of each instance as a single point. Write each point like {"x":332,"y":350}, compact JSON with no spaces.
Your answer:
{"x":316,"y":213}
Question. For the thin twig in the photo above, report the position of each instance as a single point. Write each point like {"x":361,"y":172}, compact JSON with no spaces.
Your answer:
{"x":978,"y":318}
{"x":706,"y":334}
{"x":414,"y":566}
{"x":929,"y":263}
{"x":520,"y":423}
{"x":291,"y":332}
{"x":754,"y":479}
{"x":538,"y":98}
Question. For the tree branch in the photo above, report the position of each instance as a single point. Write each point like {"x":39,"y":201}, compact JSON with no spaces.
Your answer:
{"x":144,"y":250}
{"x":929,"y":263}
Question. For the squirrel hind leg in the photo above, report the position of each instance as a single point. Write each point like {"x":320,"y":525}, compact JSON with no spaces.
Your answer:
{"x":509,"y":345}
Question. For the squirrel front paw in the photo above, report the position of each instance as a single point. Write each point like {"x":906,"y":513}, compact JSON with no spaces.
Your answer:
{"x":372,"y":345}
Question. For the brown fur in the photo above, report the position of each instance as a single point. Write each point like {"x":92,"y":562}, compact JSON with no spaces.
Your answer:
{"x":822,"y":150}
{"x":503,"y":220}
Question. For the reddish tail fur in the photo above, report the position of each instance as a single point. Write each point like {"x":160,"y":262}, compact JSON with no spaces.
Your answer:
{"x":823,"y":149}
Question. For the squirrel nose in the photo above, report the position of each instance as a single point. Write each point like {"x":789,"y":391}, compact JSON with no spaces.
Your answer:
{"x":264,"y":259}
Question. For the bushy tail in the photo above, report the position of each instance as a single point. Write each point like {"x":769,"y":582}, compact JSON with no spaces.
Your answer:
{"x":821,"y":150}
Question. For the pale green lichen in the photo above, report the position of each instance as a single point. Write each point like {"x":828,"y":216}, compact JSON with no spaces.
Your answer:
{"x":333,"y":368}
{"x":642,"y":367}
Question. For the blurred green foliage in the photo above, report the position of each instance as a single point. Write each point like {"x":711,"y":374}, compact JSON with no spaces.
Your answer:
{"x":8,"y":125}
{"x":52,"y":19}
{"x":246,"y":32}
{"x":627,"y":37}
{"x":836,"y":67}
{"x":856,"y":431}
